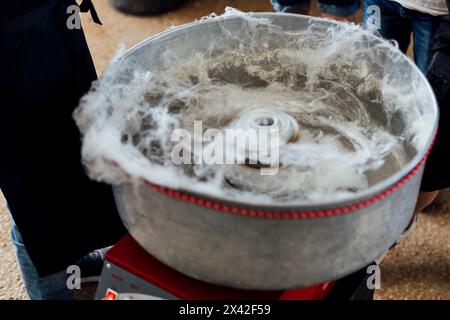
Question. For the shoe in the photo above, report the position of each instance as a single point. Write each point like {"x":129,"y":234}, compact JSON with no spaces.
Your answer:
{"x":91,"y":265}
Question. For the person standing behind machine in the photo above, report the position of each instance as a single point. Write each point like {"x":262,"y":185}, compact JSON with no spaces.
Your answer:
{"x":59,"y":216}
{"x":437,"y":174}
{"x":396,"y":19}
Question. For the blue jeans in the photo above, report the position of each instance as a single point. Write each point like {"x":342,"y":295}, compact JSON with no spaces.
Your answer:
{"x":340,"y":8}
{"x":397,"y":23}
{"x":51,"y":287}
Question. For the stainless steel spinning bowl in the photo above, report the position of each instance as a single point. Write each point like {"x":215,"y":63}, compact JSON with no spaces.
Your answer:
{"x":247,"y":245}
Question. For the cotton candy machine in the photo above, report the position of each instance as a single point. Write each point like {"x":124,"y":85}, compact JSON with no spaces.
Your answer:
{"x":354,"y":117}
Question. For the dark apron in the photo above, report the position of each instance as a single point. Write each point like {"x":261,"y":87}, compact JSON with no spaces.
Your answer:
{"x":437,"y":172}
{"x":45,"y":69}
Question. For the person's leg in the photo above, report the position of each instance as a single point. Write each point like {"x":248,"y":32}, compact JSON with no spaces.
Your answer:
{"x":52,"y":287}
{"x":424,"y":28}
{"x":425,"y":199}
{"x":353,"y":286}
{"x":291,"y":6}
{"x":341,"y":10}
{"x":393,"y":20}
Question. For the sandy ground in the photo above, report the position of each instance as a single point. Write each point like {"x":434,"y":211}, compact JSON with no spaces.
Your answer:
{"x":418,"y":268}
{"x":11,"y":285}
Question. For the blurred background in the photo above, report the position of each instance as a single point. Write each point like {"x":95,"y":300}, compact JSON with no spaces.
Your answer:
{"x":418,"y":268}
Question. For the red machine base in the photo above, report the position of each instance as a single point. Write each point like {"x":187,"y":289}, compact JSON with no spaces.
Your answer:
{"x":131,"y":273}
